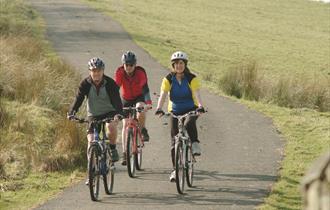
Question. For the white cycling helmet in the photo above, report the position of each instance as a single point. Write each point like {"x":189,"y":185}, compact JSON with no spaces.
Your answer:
{"x":179,"y":55}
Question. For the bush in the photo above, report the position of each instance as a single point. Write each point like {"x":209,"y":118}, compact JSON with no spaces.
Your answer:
{"x":294,"y":92}
{"x":15,"y":19}
{"x":302,"y":93}
{"x":243,"y":82}
{"x":37,"y":89}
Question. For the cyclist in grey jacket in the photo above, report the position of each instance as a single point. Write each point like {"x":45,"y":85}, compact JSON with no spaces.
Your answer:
{"x":103,"y":100}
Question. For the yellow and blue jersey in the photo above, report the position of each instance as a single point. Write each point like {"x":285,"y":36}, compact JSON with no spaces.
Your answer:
{"x":181,"y":96}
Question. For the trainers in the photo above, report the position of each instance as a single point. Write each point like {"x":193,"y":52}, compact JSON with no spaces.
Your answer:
{"x":87,"y":182}
{"x":114,"y":155}
{"x":145,"y":134}
{"x":123,"y":162}
{"x":172,"y":176}
{"x":196,"y":150}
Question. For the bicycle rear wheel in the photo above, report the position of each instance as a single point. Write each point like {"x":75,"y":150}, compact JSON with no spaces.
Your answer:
{"x":108,"y":178}
{"x":138,"y":155}
{"x":179,"y":167}
{"x":130,"y":157}
{"x":94,"y":173}
{"x":189,"y":166}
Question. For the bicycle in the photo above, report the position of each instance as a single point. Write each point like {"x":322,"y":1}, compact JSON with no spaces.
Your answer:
{"x":134,"y":140}
{"x":184,"y":158}
{"x":99,"y":161}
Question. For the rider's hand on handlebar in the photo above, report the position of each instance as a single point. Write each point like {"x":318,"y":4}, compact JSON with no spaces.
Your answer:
{"x":70,"y":116}
{"x":118,"y":117}
{"x":159,"y":112}
{"x":200,"y":110}
{"x":148,"y":106}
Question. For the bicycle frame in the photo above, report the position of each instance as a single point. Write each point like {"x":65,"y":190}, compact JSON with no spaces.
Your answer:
{"x":184,"y":160}
{"x":133,"y":140}
{"x":183,"y":136}
{"x":132,"y":123}
{"x":101,"y":143}
{"x":99,"y":160}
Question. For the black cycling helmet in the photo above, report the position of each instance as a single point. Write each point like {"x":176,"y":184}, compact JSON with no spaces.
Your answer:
{"x":95,"y":63}
{"x":128,"y":58}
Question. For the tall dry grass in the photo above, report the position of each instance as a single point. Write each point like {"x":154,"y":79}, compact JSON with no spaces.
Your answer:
{"x":34,"y":93}
{"x":301,"y":91}
{"x":29,"y":77}
{"x":17,"y":19}
{"x":243,"y":82}
{"x":38,"y":91}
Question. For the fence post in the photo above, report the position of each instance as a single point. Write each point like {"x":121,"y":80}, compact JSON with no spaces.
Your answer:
{"x":316,"y":185}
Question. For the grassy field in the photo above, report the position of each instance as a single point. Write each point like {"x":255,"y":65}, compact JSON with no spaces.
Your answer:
{"x":286,"y":40}
{"x":280,"y":39}
{"x":36,"y":188}
{"x":278,"y":49}
{"x":285,"y":37}
{"x":36,"y":139}
{"x":307,"y":135}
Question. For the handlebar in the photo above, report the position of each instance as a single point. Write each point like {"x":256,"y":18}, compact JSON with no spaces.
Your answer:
{"x":192,"y":113}
{"x":138,"y":109}
{"x":105,"y":120}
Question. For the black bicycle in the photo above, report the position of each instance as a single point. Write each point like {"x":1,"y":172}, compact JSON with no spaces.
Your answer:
{"x":184,"y":158}
{"x":99,"y":161}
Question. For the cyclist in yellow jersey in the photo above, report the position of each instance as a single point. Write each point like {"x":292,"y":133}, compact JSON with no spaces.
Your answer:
{"x":182,"y":87}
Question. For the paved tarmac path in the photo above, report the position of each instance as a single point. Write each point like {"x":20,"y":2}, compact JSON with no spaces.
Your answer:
{"x":240,"y":147}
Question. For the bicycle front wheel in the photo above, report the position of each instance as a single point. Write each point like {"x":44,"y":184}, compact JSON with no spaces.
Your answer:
{"x":108,"y":178}
{"x":179,"y":167}
{"x":138,"y":154}
{"x":130,"y":157}
{"x":94,"y":173}
{"x":189,"y":166}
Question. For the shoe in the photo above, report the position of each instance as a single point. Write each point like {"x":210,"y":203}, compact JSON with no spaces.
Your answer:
{"x":172,"y":176}
{"x":114,"y":155}
{"x":145,"y":135}
{"x":123,"y":162}
{"x":87,"y":182}
{"x":196,"y":150}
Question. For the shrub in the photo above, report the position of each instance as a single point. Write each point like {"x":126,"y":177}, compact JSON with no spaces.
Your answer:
{"x":243,"y":82}
{"x":302,"y":93}
{"x":293,"y":92}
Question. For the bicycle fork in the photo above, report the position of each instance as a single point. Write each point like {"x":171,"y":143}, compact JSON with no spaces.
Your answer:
{"x":181,"y":140}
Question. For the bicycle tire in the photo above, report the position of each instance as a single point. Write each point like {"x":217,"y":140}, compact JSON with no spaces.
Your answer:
{"x":130,"y":157}
{"x":94,"y":173}
{"x":138,"y":155}
{"x":189,"y":166}
{"x":108,"y":178}
{"x":179,"y":167}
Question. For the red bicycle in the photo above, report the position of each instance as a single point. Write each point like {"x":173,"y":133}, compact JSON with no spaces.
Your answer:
{"x":134,"y":140}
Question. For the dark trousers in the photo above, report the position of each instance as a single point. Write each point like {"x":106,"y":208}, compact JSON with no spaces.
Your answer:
{"x":190,"y":125}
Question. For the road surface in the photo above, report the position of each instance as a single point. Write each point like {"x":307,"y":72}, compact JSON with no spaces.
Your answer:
{"x":240,"y":147}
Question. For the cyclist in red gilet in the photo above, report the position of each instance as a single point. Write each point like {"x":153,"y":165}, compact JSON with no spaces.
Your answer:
{"x":133,"y":82}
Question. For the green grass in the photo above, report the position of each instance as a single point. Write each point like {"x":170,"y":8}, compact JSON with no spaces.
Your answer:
{"x":307,"y":135}
{"x":285,"y":37}
{"x":36,"y":138}
{"x":16,"y":19}
{"x":36,"y":188}
{"x":287,"y":41}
